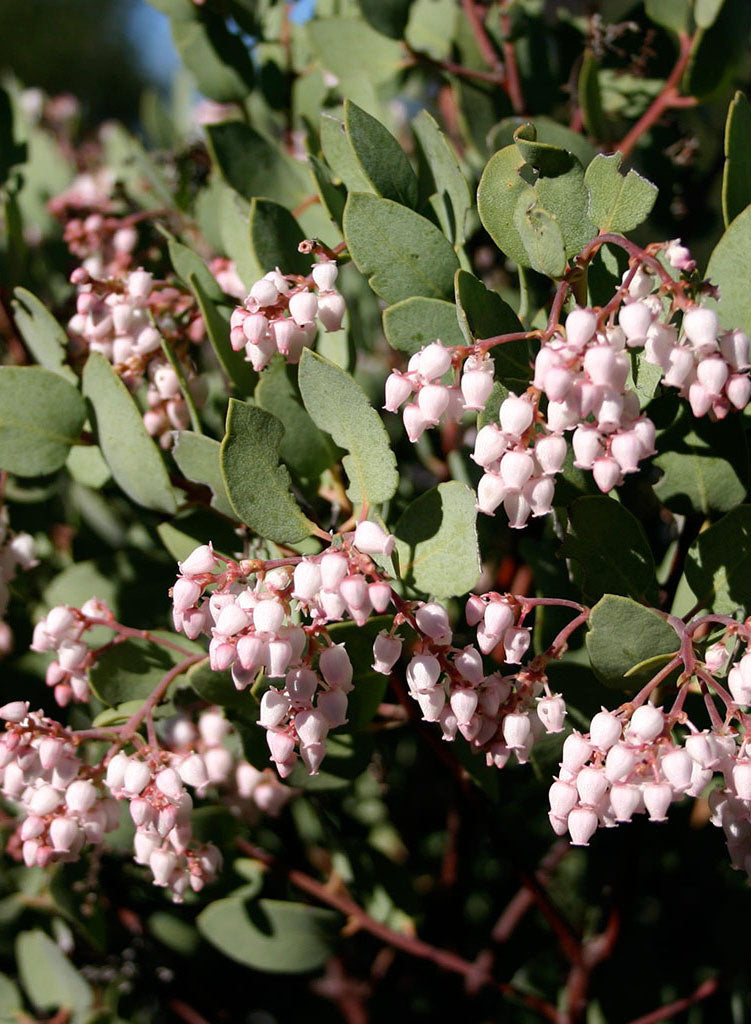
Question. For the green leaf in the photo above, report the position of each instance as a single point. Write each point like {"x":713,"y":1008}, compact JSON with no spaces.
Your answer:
{"x":442,"y":177}
{"x":216,"y":318}
{"x":705,"y":465}
{"x":402,"y":253}
{"x":86,"y":464}
{"x":41,"y":416}
{"x":500,"y":190}
{"x":718,"y":565}
{"x":617,"y":202}
{"x":332,"y":195}
{"x":338,"y":405}
{"x":274,"y":238}
{"x":186,"y":531}
{"x":484,"y":314}
{"x":626,"y":567}
{"x":217,"y":58}
{"x":389,"y":17}
{"x":590,"y":97}
{"x":674,"y":15}
{"x":255,"y":166}
{"x":277,"y":394}
{"x":736,"y":175}
{"x":706,"y":11}
{"x":132,"y":456}
{"x":352,"y":50}
{"x":174,"y":933}
{"x":45,"y":338}
{"x":413,"y":323}
{"x":623,"y":634}
{"x":718,"y":49}
{"x":48,"y":977}
{"x":274,"y":936}
{"x":547,"y":130}
{"x":187,"y":264}
{"x":129,"y":671}
{"x":436,"y":539}
{"x":217,"y":688}
{"x":197,"y":457}
{"x":731,"y":252}
{"x":541,"y":237}
{"x":258,"y":487}
{"x":340,"y":156}
{"x":383,"y":161}
{"x":11,"y":1003}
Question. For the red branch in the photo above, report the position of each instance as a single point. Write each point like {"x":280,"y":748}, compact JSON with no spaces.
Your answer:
{"x":669,"y":98}
{"x":704,"y":991}
{"x":443,"y":958}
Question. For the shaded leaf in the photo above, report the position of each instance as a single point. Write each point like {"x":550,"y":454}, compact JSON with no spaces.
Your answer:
{"x":387,"y":16}
{"x":442,"y":177}
{"x":436,"y":540}
{"x":541,"y":237}
{"x":277,"y":394}
{"x":383,"y":161}
{"x":705,"y":465}
{"x":255,"y":166}
{"x":731,"y":252}
{"x":736,"y":176}
{"x":130,"y":670}
{"x":340,"y":156}
{"x":197,"y":457}
{"x":271,"y":935}
{"x":622,"y":635}
{"x":718,"y":49}
{"x":590,"y":97}
{"x":718,"y":565}
{"x":274,"y":237}
{"x":216,"y":318}
{"x":626,"y":567}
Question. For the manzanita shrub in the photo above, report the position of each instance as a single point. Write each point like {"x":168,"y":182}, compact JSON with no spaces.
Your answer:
{"x":374,"y":455}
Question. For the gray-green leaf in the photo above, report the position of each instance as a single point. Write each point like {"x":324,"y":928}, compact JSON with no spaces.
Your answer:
{"x":402,"y":253}
{"x":622,"y":635}
{"x":617,"y":202}
{"x":41,"y":416}
{"x":43,"y":335}
{"x":413,"y":323}
{"x":383,"y":161}
{"x":338,"y":405}
{"x":736,"y":176}
{"x":436,"y":539}
{"x":258,"y":487}
{"x":135,"y":461}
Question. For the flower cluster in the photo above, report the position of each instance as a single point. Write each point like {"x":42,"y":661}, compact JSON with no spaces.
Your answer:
{"x":252,"y":618}
{"x":160,"y":808}
{"x":60,"y":799}
{"x":62,"y":631}
{"x":204,"y":754}
{"x":16,"y":552}
{"x":127,"y":318}
{"x":582,"y":371}
{"x":497,"y":714}
{"x":282,"y":311}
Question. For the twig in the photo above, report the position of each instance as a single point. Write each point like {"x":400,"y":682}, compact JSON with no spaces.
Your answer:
{"x":443,"y":958}
{"x":186,"y":1013}
{"x":704,"y":991}
{"x":669,"y":98}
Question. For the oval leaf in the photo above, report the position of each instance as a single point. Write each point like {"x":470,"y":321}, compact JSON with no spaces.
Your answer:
{"x":402,"y":253}
{"x":617,"y":202}
{"x":270,"y":935}
{"x":128,"y":450}
{"x":383,"y":161}
{"x":436,"y":539}
{"x":718,"y":566}
{"x":736,"y":176}
{"x":731,"y":252}
{"x":622,"y":635}
{"x":338,"y":405}
{"x":43,"y":335}
{"x":41,"y":416}
{"x":258,"y":487}
{"x":413,"y":323}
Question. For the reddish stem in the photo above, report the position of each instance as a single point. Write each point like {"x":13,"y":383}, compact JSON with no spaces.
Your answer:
{"x":443,"y":958}
{"x":668,"y":98}
{"x":704,"y":991}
